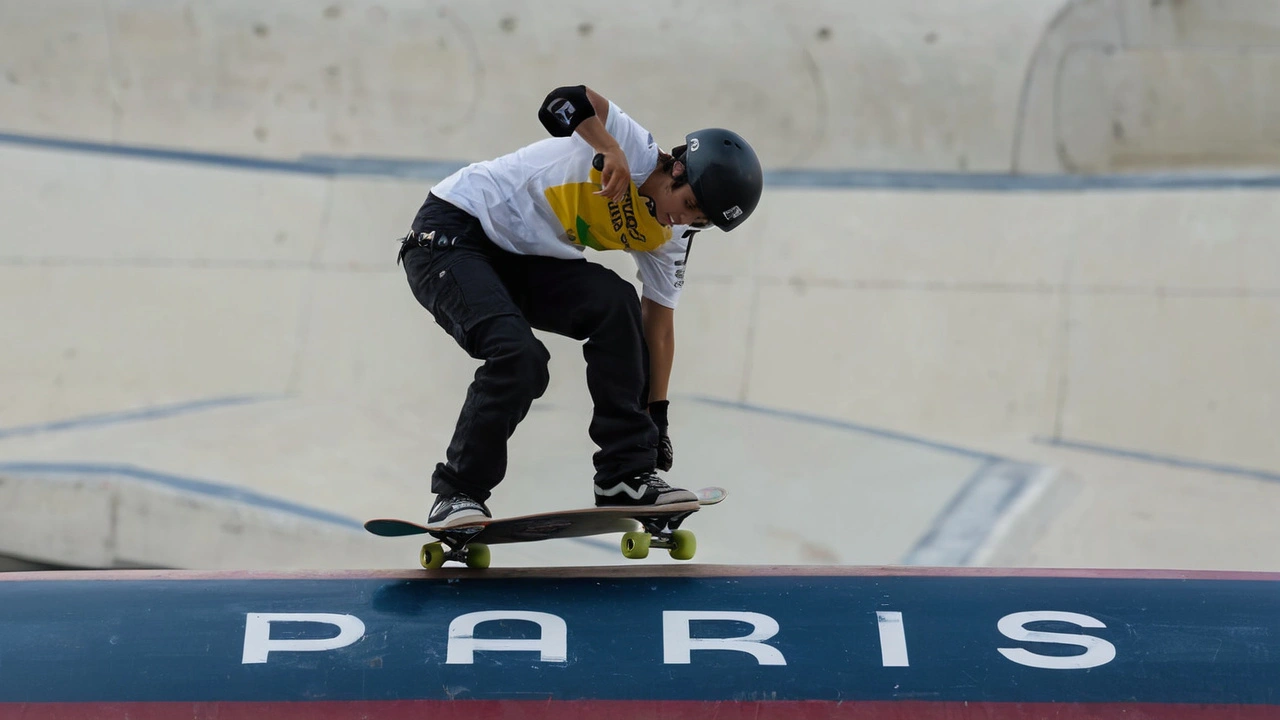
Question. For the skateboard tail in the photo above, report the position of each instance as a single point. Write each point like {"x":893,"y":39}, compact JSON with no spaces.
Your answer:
{"x":387,"y":527}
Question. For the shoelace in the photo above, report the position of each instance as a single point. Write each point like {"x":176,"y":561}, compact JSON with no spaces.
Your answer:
{"x":459,"y":501}
{"x":653,"y":481}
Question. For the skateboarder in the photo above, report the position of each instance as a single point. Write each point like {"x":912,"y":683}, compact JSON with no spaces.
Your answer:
{"x":496,"y":251}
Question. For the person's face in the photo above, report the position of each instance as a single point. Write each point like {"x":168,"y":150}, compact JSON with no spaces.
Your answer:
{"x":677,"y":206}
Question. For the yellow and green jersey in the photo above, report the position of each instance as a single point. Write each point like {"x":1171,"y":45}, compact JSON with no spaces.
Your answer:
{"x":540,"y":200}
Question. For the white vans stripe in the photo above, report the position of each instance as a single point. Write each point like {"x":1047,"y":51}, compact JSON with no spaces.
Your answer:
{"x":621,"y":488}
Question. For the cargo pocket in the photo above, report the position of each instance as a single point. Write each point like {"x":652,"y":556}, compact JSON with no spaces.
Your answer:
{"x":462,"y":294}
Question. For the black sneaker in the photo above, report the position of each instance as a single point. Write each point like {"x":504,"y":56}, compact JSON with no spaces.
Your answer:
{"x":643,"y":489}
{"x":456,"y":510}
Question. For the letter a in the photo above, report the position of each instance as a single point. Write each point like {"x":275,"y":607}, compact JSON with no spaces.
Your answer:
{"x":552,"y":646}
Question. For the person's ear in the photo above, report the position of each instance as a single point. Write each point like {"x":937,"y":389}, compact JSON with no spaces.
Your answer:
{"x":677,"y":169}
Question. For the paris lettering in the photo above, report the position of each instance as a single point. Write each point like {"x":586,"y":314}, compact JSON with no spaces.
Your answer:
{"x":679,"y":645}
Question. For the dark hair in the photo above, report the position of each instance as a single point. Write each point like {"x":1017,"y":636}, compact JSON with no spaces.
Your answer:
{"x":666,"y":163}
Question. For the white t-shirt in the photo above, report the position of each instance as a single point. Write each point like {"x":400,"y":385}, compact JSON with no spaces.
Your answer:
{"x":540,"y":200}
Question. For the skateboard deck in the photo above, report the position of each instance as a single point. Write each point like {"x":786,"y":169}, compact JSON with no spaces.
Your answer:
{"x":642,"y":527}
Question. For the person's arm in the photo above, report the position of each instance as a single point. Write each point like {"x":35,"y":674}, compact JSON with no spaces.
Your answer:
{"x":579,"y":109}
{"x":615,"y":176}
{"x":660,"y":335}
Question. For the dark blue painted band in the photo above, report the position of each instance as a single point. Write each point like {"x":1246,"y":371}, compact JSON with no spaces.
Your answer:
{"x":1186,"y":641}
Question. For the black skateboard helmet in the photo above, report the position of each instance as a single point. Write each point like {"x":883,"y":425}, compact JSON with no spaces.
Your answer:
{"x":725,"y":175}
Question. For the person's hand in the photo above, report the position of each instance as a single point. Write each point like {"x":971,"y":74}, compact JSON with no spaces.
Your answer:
{"x":658,"y":412}
{"x":615,"y":173}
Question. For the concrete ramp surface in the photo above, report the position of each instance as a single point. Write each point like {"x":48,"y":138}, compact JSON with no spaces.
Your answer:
{"x":260,"y":483}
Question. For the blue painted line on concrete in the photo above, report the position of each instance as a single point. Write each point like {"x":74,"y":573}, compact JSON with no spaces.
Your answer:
{"x":126,"y":416}
{"x":1009,"y":182}
{"x":1177,"y":462}
{"x":235,"y":162}
{"x":845,"y":425}
{"x":202,"y":487}
{"x":185,"y":484}
{"x":799,"y":178}
{"x":931,"y":548}
{"x":965,"y":524}
{"x":385,"y":167}
{"x":219,"y":491}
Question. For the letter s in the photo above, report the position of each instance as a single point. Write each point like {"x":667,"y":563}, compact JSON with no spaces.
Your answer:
{"x":1097,"y":651}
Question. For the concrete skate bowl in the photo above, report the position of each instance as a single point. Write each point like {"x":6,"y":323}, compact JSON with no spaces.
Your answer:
{"x":929,"y":347}
{"x":201,"y":207}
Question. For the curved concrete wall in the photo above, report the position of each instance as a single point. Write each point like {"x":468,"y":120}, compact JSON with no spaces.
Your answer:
{"x":1118,"y":86}
{"x":841,"y":84}
{"x":1143,"y":320}
{"x":1027,"y":86}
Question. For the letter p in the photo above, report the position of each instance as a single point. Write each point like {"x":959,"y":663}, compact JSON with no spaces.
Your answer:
{"x":257,"y":634}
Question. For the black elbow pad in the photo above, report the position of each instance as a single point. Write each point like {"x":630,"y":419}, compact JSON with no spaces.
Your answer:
{"x":564,"y":110}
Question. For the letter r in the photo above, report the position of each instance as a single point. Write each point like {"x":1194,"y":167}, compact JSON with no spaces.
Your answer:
{"x":677,"y":643}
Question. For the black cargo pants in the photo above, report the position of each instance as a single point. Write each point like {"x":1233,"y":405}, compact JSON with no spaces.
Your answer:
{"x":489,"y":301}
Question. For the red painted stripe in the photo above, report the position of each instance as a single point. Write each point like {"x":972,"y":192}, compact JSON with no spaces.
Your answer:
{"x":632,"y":710}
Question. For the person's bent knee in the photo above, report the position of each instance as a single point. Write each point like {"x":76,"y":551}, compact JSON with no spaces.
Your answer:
{"x":535,"y":367}
{"x":507,"y":343}
{"x":617,"y":296}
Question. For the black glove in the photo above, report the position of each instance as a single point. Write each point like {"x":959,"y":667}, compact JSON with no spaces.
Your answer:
{"x":658,"y":412}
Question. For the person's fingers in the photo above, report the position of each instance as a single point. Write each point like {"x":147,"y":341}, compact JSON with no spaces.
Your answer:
{"x":619,"y":187}
{"x":615,"y":176}
{"x":613,"y":185}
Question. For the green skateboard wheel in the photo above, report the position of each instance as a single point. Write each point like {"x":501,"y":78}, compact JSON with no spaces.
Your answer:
{"x":635,"y":545}
{"x":685,"y":545}
{"x":478,"y":556}
{"x":432,"y":555}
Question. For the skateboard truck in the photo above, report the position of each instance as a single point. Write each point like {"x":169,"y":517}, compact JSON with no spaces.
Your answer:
{"x":455,"y":545}
{"x":663,"y":533}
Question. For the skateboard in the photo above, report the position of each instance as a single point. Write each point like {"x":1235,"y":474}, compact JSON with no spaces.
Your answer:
{"x":642,"y":528}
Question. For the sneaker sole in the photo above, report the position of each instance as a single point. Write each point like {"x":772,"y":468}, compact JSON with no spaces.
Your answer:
{"x":675,"y":499}
{"x":463,"y":518}
{"x":691,"y":498}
